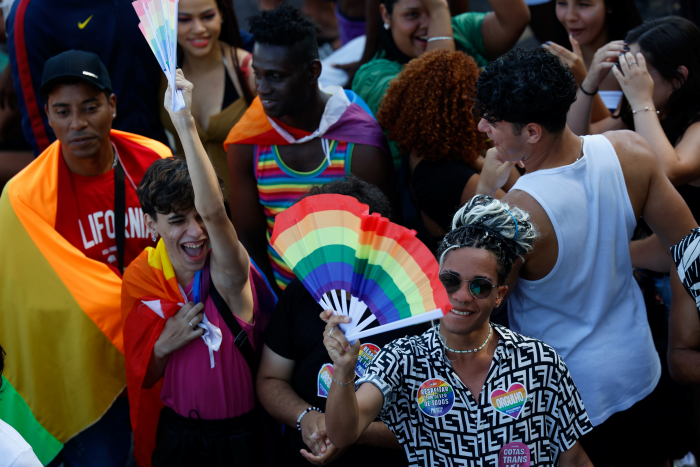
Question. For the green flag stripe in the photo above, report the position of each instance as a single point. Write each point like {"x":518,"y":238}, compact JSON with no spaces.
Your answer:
{"x":15,"y":412}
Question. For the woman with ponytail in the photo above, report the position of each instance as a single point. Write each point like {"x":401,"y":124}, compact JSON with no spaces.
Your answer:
{"x":210,"y":52}
{"x":465,"y":380}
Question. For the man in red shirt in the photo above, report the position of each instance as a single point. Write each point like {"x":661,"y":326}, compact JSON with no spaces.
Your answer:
{"x":83,"y":188}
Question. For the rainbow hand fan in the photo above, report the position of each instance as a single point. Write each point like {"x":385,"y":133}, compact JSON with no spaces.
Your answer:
{"x":350,"y":260}
{"x":158,"y":24}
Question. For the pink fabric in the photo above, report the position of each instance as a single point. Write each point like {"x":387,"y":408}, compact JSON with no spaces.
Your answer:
{"x":224,"y":391}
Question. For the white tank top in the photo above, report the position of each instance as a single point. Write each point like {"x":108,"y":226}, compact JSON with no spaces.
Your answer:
{"x":589,"y":307}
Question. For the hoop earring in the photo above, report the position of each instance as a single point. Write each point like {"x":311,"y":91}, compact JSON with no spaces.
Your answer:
{"x":386,"y":26}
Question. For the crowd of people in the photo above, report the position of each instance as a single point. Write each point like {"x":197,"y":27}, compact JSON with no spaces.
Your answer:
{"x":146,"y":319}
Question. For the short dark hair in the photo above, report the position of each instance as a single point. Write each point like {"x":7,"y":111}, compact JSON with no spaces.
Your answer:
{"x":286,"y":26}
{"x":362,"y":191}
{"x":526,"y":86}
{"x":73,"y":81}
{"x":166,"y":187}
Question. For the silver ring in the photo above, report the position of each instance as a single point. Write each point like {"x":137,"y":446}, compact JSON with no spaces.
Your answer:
{"x":631,"y":63}
{"x":330,"y":334}
{"x":191,"y":325}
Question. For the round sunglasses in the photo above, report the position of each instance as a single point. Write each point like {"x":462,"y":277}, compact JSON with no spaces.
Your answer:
{"x":479,"y":287}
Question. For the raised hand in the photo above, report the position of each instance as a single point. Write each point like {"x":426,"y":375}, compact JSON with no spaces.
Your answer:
{"x":494,"y":173}
{"x":604,"y":60}
{"x":186,"y":88}
{"x":635,"y":80}
{"x":573,"y":59}
{"x":180,"y":329}
{"x":344,"y":355}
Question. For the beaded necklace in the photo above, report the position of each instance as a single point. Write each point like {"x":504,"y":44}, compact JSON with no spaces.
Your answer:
{"x":464,"y":351}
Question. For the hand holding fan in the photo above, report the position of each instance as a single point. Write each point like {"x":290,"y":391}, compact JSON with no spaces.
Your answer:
{"x":350,"y":260}
{"x":158,"y":24}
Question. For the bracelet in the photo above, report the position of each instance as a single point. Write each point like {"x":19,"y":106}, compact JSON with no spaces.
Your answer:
{"x":441,"y":38}
{"x":344,"y":384}
{"x":645,"y":109}
{"x":580,"y":86}
{"x":304,"y":413}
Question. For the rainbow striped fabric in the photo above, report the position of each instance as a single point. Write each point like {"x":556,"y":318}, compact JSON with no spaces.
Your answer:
{"x":279,"y":187}
{"x":331,"y":242}
{"x":60,"y":313}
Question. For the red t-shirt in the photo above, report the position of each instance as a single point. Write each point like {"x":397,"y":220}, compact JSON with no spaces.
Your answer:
{"x":88,"y":224}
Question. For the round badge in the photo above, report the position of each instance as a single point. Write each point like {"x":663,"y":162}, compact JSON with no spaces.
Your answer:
{"x":514,"y":455}
{"x":435,"y":398}
{"x":367,"y":354}
{"x":325,"y":377}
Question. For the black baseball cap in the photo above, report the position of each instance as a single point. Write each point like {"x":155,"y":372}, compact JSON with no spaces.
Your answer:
{"x":74,"y":64}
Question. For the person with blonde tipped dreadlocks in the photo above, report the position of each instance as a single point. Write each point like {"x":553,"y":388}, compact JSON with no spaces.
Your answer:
{"x":499,"y":397}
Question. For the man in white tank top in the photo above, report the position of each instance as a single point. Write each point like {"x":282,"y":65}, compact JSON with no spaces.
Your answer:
{"x":575,"y":290}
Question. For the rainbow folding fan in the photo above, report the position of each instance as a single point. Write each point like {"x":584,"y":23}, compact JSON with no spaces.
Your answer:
{"x":350,"y":261}
{"x":158,"y":23}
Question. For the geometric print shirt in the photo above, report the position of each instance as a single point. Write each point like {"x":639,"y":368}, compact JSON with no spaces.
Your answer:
{"x":686,"y":255}
{"x":528,"y":411}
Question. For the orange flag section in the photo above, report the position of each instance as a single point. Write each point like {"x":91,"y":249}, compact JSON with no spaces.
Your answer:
{"x":60,"y":313}
{"x":60,"y":362}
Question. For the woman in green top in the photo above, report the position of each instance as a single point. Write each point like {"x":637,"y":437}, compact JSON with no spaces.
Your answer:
{"x":409,"y":28}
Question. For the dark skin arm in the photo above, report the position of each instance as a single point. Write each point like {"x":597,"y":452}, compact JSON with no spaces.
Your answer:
{"x":247,"y":214}
{"x":375,"y":166}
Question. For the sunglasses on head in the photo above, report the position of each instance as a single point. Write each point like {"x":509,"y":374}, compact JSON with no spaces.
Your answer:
{"x":478,"y":287}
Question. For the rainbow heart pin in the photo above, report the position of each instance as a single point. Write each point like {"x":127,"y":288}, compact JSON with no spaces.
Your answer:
{"x":509,"y":402}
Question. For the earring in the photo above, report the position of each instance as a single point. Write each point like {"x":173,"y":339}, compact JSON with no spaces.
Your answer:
{"x":114,"y":115}
{"x":154,"y":238}
{"x":386,"y":26}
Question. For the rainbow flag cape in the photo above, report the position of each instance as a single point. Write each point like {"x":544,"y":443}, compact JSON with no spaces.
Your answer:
{"x":60,"y":319}
{"x":150,"y":295}
{"x":345,"y":118}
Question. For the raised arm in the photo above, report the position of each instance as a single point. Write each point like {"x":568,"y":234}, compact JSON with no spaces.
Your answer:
{"x":348,"y":414}
{"x":246,"y":211}
{"x":229,"y":260}
{"x":503,"y":27}
{"x":682,"y":163}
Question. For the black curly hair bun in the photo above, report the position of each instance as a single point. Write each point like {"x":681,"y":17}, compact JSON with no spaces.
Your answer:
{"x":526,"y":86}
{"x":489,"y":224}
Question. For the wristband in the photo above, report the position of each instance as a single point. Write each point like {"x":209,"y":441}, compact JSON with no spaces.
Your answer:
{"x":304,"y":413}
{"x":586,"y":92}
{"x":441,"y":38}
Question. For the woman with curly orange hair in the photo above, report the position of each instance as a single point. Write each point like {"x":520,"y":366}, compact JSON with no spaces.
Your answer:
{"x":427,"y":110}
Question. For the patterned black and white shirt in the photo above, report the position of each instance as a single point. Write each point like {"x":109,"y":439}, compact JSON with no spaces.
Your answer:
{"x":686,"y":255}
{"x":528,"y":412}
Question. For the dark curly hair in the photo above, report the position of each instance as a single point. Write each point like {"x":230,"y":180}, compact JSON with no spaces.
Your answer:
{"x":428,"y":108}
{"x":354,"y":186}
{"x":526,"y":86}
{"x":487,"y":223}
{"x":669,"y":43}
{"x":286,"y":26}
{"x":166,"y":187}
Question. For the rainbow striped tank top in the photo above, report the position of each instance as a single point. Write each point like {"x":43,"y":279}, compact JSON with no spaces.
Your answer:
{"x":279,"y":187}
